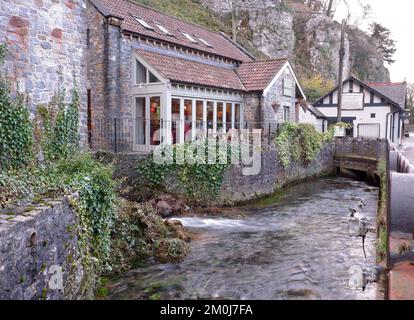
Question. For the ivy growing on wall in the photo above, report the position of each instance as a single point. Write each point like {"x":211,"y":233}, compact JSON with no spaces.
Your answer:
{"x":66,"y":169}
{"x":300,"y":143}
{"x":60,"y":123}
{"x":201,"y":178}
{"x":15,"y":125}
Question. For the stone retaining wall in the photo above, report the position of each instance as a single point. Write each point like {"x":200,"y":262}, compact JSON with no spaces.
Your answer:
{"x":237,"y":187}
{"x":39,"y":254}
{"x":273,"y":176}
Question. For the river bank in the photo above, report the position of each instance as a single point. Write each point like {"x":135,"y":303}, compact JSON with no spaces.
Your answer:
{"x":295,"y":248}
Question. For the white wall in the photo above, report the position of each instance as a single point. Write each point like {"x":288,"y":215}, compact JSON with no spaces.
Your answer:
{"x":362,"y":117}
{"x":309,"y":117}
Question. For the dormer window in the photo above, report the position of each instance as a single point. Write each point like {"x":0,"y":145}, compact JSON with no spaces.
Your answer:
{"x":189,"y":37}
{"x":164,"y":30}
{"x":205,"y":42}
{"x":143,"y":23}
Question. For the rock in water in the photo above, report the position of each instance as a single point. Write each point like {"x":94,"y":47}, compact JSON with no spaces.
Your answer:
{"x":164,"y":209}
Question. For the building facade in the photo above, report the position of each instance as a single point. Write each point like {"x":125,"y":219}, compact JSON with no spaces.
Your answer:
{"x":153,"y":78}
{"x":46,"y":42}
{"x":140,"y":71}
{"x":373,"y":110}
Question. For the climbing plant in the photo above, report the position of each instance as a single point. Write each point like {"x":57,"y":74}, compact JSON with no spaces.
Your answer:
{"x":60,"y":136}
{"x":15,"y":125}
{"x":201,"y":178}
{"x":300,"y":143}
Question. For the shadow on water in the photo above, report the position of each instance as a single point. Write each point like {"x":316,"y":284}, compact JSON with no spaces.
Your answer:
{"x":297,"y":248}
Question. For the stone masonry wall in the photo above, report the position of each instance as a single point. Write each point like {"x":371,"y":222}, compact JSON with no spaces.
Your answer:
{"x":33,"y":246}
{"x":44,"y":38}
{"x":237,"y":187}
{"x":275,"y":97}
{"x":273,"y":176}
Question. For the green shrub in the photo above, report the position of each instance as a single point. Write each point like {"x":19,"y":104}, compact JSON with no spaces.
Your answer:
{"x":78,"y":174}
{"x":201,"y":180}
{"x":60,"y":126}
{"x":300,"y":143}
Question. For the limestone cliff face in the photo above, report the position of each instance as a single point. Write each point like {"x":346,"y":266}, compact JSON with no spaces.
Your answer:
{"x":267,"y":24}
{"x":310,"y":40}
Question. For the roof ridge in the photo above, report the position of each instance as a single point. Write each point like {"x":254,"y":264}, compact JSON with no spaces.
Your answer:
{"x":387,"y":83}
{"x":267,"y":60}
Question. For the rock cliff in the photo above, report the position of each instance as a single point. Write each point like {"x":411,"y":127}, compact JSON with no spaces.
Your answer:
{"x":279,"y":28}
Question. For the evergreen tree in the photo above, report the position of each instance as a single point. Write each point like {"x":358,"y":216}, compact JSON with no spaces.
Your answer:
{"x":385,"y":43}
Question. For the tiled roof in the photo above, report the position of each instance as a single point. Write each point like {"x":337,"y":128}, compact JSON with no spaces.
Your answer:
{"x":126,"y":9}
{"x":257,"y":75}
{"x":395,"y":91}
{"x":192,"y":72}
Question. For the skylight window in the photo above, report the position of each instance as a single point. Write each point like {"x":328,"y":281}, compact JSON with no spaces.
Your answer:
{"x":143,"y":23}
{"x":189,"y":37}
{"x":205,"y":42}
{"x":164,"y":30}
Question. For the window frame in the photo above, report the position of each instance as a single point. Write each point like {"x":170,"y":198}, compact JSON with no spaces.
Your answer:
{"x":286,"y":116}
{"x":143,"y":23}
{"x":147,"y":75}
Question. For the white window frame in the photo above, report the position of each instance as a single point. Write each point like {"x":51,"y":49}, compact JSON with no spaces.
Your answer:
{"x":164,"y":30}
{"x":147,"y":146}
{"x":147,"y":75}
{"x":215,"y":114}
{"x":205,"y":42}
{"x":189,"y":37}
{"x":143,"y":23}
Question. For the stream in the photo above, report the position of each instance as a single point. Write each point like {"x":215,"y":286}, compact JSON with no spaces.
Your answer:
{"x":297,"y":248}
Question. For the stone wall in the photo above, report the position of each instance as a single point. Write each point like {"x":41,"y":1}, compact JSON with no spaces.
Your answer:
{"x":273,"y":176}
{"x":237,"y":187}
{"x":275,"y":97}
{"x":361,"y":147}
{"x":35,"y":245}
{"x":45,"y":38}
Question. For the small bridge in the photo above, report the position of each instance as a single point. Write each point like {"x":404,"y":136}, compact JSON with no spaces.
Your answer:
{"x":359,"y":155}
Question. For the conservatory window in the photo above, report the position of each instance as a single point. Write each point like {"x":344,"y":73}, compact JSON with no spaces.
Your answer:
{"x":143,"y":75}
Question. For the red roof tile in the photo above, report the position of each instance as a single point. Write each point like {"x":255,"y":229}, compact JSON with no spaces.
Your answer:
{"x":257,"y":75}
{"x":125,"y":9}
{"x":192,"y":72}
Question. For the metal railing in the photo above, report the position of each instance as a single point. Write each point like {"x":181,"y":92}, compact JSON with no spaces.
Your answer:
{"x":141,"y":134}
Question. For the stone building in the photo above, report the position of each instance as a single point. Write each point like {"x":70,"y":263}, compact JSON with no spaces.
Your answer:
{"x":149,"y":71}
{"x":142,"y":73}
{"x":46,"y":42}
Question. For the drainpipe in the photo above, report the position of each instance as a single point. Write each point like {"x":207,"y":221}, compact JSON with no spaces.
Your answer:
{"x":386,"y":127}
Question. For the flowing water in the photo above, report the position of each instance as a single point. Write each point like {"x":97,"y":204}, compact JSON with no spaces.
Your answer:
{"x":298,"y":248}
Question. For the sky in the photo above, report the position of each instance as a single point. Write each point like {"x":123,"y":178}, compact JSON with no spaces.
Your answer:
{"x":396,"y":15}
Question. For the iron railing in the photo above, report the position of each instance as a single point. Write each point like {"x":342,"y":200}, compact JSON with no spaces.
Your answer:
{"x":141,"y":134}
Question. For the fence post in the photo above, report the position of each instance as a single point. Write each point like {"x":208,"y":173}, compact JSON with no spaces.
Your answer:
{"x":115,"y":136}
